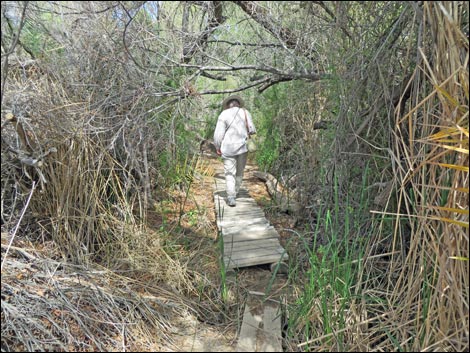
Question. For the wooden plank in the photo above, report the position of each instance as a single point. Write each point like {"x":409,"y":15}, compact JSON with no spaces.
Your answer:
{"x":240,"y":212}
{"x":260,"y":259}
{"x":242,"y":200}
{"x":222,"y":203}
{"x":239,"y":208}
{"x":239,"y":259}
{"x":270,"y":338}
{"x":268,"y":259}
{"x":243,"y":217}
{"x":235,"y":253}
{"x":254,"y":227}
{"x":253,"y":253}
{"x":272,"y":244}
{"x":245,"y":200}
{"x":242,"y":222}
{"x":248,"y":236}
{"x":232,"y":217}
{"x":248,"y":331}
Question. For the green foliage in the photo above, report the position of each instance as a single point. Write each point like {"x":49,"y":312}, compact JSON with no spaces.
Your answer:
{"x":264,"y":114}
{"x":175,"y":171}
{"x":37,"y":41}
{"x":333,"y":280}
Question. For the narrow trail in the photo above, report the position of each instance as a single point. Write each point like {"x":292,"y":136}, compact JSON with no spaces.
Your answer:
{"x":261,"y":311}
{"x":250,"y":240}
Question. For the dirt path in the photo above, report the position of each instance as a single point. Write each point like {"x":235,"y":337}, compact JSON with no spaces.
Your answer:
{"x":251,"y":281}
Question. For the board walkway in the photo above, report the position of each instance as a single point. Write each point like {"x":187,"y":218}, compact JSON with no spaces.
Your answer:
{"x":248,"y":240}
{"x":248,"y":237}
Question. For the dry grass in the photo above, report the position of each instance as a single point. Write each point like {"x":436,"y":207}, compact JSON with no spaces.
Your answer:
{"x":51,"y":305}
{"x":429,"y":286}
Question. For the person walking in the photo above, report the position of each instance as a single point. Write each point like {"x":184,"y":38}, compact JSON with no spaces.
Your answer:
{"x":234,"y":125}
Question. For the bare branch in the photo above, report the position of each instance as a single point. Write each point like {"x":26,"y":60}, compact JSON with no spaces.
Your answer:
{"x":257,"y":13}
{"x":258,"y":45}
{"x":333,"y":16}
{"x":213,"y":77}
{"x":291,"y":74}
{"x":16,"y":38}
{"x":215,"y":20}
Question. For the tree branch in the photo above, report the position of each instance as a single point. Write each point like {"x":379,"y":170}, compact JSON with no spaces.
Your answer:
{"x":215,"y":20}
{"x":267,"y":45}
{"x":272,"y":82}
{"x":11,"y":49}
{"x":333,"y":16}
{"x":213,"y":77}
{"x":257,"y":13}
{"x":292,"y":75}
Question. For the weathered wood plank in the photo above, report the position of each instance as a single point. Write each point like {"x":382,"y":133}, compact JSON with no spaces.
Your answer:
{"x":221,"y":203}
{"x":238,"y":209}
{"x":253,"y":253}
{"x":239,"y":204}
{"x":244,"y":249}
{"x":246,"y":212}
{"x":248,"y":331}
{"x":264,"y":244}
{"x":268,"y":259}
{"x":253,"y":228}
{"x":249,"y":236}
{"x":270,"y":338}
{"x":250,"y":240}
{"x":241,"y":222}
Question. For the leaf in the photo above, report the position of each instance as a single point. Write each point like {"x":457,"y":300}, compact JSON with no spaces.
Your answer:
{"x":452,"y":166}
{"x":449,"y":97}
{"x":458,"y":149}
{"x":447,"y":132}
{"x":450,"y":209}
{"x":453,"y":221}
{"x":461,"y":258}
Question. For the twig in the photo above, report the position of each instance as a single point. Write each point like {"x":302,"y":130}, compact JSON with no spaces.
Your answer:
{"x":18,"y":224}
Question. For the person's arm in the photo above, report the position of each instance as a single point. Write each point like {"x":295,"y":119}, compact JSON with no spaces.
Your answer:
{"x":251,"y":126}
{"x":219,"y":134}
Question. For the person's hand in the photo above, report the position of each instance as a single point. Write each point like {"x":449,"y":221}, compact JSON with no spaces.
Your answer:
{"x":219,"y":152}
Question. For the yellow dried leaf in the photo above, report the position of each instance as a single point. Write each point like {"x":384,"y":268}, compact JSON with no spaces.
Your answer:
{"x":451,"y":209}
{"x":449,"y":97}
{"x":458,"y":149}
{"x":461,"y":258}
{"x":445,"y":133}
{"x":453,"y":221}
{"x":452,"y":166}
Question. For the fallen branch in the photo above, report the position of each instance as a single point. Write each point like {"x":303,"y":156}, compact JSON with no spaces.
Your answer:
{"x":286,"y":199}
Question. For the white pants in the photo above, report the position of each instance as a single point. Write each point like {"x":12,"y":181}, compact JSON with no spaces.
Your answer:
{"x":234,"y":167}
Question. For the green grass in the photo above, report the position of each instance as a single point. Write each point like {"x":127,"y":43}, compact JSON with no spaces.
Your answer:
{"x":223,"y":271}
{"x":332,"y":282}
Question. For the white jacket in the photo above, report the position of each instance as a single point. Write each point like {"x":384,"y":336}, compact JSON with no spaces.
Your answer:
{"x":230,"y":134}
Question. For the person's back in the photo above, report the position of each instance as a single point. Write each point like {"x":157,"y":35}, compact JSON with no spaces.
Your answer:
{"x":231,"y":133}
{"x":234,"y":126}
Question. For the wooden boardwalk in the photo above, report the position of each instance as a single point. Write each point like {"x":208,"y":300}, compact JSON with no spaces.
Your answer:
{"x":248,"y":238}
